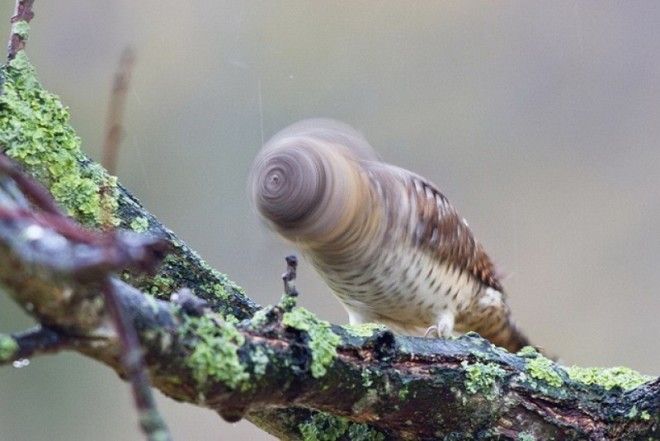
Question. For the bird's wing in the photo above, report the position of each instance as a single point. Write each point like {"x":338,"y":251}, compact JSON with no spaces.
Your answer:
{"x":446,"y":234}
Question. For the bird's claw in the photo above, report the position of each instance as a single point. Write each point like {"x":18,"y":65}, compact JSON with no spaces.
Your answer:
{"x":431,"y":331}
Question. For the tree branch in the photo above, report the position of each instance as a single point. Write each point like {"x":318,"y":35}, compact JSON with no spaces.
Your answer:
{"x":20,"y":26}
{"x":116,"y":106}
{"x":27,"y":344}
{"x":281,"y":367}
{"x":113,"y":252}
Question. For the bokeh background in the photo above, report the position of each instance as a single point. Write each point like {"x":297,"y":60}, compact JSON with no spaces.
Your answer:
{"x":539,"y":120}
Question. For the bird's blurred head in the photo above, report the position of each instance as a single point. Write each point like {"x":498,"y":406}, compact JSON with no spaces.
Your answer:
{"x":288,"y":180}
{"x":302,"y":179}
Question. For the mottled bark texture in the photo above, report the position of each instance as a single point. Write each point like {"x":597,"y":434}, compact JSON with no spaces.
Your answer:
{"x":282,"y":368}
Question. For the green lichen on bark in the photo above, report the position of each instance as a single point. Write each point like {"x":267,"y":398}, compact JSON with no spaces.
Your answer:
{"x":634,"y":413}
{"x":542,"y":369}
{"x":362,"y":432}
{"x":161,"y":286}
{"x":176,"y":272}
{"x":528,"y":352}
{"x":608,"y":378}
{"x":140,"y":224}
{"x":260,"y":359}
{"x":324,"y":427}
{"x":217,"y":290}
{"x":287,"y":302}
{"x":8,"y":348}
{"x":364,"y":330}
{"x":35,"y":131}
{"x":214,"y":357}
{"x":21,"y":28}
{"x":480,"y":377}
{"x":367,"y":378}
{"x":322,"y":341}
{"x":260,"y":317}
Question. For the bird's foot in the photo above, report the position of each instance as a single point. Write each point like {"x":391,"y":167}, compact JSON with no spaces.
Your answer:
{"x":432,"y":332}
{"x":444,"y":328}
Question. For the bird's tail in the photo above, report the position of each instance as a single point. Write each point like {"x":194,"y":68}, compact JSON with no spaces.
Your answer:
{"x":498,"y":327}
{"x":509,"y":337}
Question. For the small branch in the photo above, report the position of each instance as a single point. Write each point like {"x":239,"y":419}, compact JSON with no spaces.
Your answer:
{"x":116,"y":106}
{"x":19,"y":30}
{"x":288,"y":301}
{"x":289,"y":276}
{"x":132,"y":361}
{"x":36,"y":341}
{"x":189,"y":302}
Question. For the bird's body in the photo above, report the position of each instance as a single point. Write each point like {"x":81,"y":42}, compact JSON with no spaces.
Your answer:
{"x":385,"y":240}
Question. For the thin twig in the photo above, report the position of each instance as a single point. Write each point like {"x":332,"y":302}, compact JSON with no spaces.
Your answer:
{"x":18,"y":36}
{"x":35,"y":191}
{"x":38,"y":340}
{"x":289,"y":276}
{"x":116,"y":106}
{"x":189,"y":302}
{"x":151,"y":422}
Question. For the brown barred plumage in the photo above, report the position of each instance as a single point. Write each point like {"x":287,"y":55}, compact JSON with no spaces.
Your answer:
{"x":388,"y":243}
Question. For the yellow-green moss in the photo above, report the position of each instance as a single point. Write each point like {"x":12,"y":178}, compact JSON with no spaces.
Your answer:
{"x":634,"y":413}
{"x":621,"y":377}
{"x":362,"y":432}
{"x":8,"y":348}
{"x":364,"y":330}
{"x":367,"y":379}
{"x":540,"y":368}
{"x":161,"y":286}
{"x":215,"y":353}
{"x":223,"y":280}
{"x":324,"y":427}
{"x":21,"y":28}
{"x":480,"y":377}
{"x":322,"y":341}
{"x":528,"y":352}
{"x":35,"y":131}
{"x":260,"y":360}
{"x":218,"y":291}
{"x":287,"y":302}
{"x":260,"y":317}
{"x":140,"y":224}
{"x":180,"y":270}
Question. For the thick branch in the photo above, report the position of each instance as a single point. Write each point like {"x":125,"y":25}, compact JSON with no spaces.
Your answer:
{"x":402,"y":387}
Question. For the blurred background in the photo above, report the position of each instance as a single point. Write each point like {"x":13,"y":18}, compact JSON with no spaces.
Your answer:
{"x":540,"y":121}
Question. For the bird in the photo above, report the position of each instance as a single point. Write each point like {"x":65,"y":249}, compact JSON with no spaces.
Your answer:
{"x":386,"y":241}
